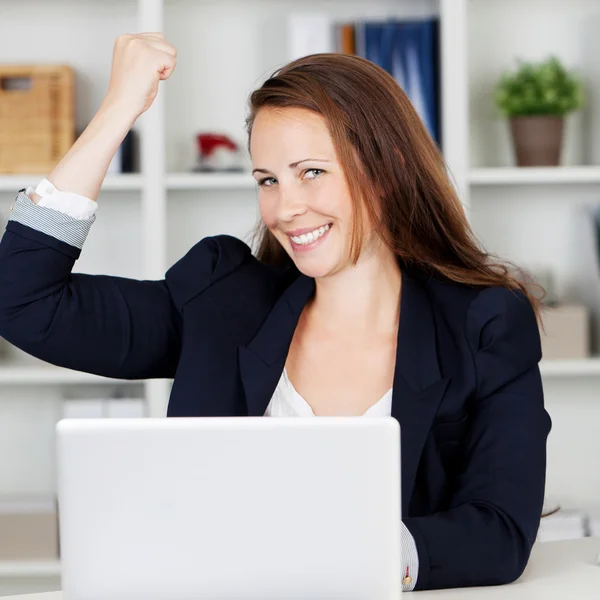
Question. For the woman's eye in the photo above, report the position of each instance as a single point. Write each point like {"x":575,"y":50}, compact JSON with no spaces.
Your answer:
{"x":317,"y":172}
{"x":264,"y":182}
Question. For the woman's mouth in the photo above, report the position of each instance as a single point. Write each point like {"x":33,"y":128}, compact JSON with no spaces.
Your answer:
{"x":310,"y":240}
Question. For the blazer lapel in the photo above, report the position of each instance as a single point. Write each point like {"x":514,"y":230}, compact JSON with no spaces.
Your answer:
{"x":418,"y":382}
{"x":262,"y":360}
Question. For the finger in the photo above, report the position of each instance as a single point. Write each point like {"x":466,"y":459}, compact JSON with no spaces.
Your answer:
{"x":166,"y":73}
{"x":168,"y":67}
{"x":157,"y":34}
{"x":163,"y":47}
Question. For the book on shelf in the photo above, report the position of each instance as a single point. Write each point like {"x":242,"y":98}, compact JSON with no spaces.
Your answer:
{"x":126,"y":158}
{"x":408,"y":49}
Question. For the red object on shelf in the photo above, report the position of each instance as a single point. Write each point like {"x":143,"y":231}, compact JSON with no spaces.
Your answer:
{"x":207,"y":142}
{"x":217,"y":152}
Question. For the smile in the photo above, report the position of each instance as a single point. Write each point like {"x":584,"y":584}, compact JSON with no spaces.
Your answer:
{"x":312,"y":236}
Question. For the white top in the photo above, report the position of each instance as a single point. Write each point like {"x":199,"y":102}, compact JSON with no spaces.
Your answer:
{"x":287,"y":402}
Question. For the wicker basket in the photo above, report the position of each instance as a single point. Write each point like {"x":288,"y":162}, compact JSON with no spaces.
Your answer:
{"x":37,"y":117}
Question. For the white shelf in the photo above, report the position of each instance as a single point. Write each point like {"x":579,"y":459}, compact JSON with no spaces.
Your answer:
{"x":116,"y":182}
{"x":208,"y":181}
{"x":126,"y":181}
{"x":50,"y":375}
{"x":570,"y":367}
{"x":534,"y":175}
{"x":27,"y":569}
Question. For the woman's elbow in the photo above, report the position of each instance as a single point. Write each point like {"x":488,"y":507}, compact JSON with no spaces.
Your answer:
{"x":514,"y":559}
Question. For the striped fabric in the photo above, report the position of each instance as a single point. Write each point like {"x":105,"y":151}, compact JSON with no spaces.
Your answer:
{"x":410,"y":559}
{"x":51,"y":222}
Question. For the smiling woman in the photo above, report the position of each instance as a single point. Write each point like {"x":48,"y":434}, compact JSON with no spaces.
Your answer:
{"x":304,"y":204}
{"x":368,"y":296}
{"x":384,"y":163}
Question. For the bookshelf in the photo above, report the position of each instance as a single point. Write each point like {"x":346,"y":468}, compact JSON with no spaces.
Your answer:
{"x":210,"y":181}
{"x":534,"y":176}
{"x":148,"y":220}
{"x":113,"y":183}
{"x":11,"y":375}
{"x":573,"y":368}
{"x":30,"y":569}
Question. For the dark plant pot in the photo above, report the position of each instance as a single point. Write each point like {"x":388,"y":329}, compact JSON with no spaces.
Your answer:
{"x":537,"y":141}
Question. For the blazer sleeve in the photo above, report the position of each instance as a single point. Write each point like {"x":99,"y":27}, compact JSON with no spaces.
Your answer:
{"x":111,"y":326}
{"x":486,"y":536}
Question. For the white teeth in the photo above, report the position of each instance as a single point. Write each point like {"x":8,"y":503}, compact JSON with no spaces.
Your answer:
{"x":307,"y":238}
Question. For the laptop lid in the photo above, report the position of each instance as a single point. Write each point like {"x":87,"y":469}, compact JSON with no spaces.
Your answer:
{"x":194,"y":508}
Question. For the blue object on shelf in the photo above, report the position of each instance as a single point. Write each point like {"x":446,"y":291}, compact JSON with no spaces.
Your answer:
{"x":409,"y":51}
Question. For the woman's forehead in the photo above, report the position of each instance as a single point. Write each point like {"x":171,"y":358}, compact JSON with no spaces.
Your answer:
{"x":289,"y":134}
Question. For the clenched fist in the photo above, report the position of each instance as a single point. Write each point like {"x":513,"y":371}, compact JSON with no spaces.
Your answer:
{"x":139,"y":62}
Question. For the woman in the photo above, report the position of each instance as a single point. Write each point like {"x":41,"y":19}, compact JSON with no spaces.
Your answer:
{"x":368,"y":296}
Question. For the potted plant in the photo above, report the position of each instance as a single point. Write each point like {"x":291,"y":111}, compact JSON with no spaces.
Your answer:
{"x":536,"y":98}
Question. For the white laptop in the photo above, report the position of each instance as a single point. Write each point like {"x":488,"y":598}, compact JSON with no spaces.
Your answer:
{"x":224,"y":508}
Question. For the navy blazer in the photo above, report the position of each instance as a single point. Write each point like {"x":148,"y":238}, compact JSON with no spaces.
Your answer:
{"x":467,"y":389}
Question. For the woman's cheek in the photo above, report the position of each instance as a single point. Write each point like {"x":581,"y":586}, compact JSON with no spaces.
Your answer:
{"x":268,"y":213}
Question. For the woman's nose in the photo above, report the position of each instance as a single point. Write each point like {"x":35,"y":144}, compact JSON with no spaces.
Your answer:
{"x":291,"y":205}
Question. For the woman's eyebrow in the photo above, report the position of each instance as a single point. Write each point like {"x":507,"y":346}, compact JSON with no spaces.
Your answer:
{"x":292,"y":165}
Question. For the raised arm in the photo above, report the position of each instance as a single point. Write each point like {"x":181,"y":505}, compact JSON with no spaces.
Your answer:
{"x":111,"y":326}
{"x":139,"y":63}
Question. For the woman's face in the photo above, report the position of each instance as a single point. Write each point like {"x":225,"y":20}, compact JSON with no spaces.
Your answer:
{"x":303,"y":194}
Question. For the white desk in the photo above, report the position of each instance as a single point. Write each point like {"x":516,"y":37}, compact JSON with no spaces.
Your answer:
{"x":556,"y":571}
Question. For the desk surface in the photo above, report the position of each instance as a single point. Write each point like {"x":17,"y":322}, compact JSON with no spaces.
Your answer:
{"x":556,"y":571}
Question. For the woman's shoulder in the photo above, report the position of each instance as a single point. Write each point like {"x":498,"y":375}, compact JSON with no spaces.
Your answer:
{"x":220,"y":261}
{"x":486,"y":314}
{"x":481,"y":300}
{"x":497,"y":324}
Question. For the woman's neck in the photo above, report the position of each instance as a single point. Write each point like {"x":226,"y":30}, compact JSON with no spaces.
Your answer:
{"x":364,"y":298}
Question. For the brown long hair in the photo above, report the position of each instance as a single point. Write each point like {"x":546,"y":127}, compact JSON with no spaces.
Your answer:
{"x":395,"y":171}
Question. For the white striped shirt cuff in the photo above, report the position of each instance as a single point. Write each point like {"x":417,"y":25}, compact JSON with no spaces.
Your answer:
{"x":51,"y":222}
{"x":410,"y":558}
{"x":74,"y":205}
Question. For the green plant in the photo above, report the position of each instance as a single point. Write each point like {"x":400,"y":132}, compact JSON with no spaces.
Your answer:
{"x":544,"y":88}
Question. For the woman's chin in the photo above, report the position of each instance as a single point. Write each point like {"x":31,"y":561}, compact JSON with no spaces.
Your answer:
{"x":314,"y":268}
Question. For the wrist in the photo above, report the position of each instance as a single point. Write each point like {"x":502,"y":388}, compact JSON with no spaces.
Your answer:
{"x":117,"y":112}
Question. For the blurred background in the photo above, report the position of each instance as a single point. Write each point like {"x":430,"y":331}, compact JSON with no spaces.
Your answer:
{"x":509,"y":89}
